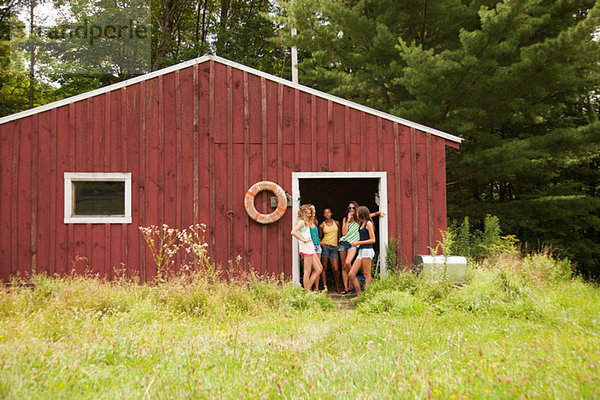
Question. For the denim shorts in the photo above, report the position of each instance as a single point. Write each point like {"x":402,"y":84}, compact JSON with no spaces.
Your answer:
{"x":330,"y":251}
{"x":345,"y":246}
{"x":365,"y":253}
{"x":317,"y":249}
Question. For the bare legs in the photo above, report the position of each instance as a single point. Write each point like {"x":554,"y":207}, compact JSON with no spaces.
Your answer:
{"x":312,"y":270}
{"x":336,"y":272}
{"x":324,"y":273}
{"x":346,"y":258}
{"x":307,"y":271}
{"x":365,"y":263}
{"x":366,"y":266}
{"x":317,"y":269}
{"x":344,"y":270}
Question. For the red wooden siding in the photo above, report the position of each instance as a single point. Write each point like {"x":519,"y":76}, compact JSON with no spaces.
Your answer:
{"x":195,"y":140}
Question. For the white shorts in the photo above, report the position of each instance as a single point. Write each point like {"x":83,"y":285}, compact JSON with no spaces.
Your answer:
{"x":365,"y":253}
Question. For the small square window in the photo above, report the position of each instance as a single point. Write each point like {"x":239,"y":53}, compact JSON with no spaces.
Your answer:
{"x":97,"y":198}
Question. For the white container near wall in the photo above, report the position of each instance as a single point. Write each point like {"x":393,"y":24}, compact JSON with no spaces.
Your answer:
{"x":452,"y":268}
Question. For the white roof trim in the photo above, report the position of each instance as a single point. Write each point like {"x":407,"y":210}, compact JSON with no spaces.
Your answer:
{"x":236,"y":65}
{"x":103,"y":89}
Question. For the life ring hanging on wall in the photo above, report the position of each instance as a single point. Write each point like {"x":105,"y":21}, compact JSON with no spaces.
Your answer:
{"x":281,"y":202}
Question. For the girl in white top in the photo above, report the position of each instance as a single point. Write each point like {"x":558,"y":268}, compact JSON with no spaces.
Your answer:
{"x":312,"y":270}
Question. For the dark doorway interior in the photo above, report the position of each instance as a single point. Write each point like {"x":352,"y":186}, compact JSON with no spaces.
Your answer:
{"x":336,"y":193}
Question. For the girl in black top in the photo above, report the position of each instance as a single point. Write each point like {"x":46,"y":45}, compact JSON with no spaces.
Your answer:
{"x":366,"y":253}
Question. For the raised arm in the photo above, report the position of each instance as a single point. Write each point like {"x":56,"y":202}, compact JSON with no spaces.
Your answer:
{"x":345,"y":226}
{"x":377,"y":214}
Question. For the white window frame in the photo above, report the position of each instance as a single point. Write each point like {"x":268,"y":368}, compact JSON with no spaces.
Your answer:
{"x":71,"y":177}
{"x":381,"y":176}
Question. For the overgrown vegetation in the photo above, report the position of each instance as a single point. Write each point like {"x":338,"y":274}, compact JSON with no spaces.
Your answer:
{"x":521,"y":327}
{"x":392,"y":263}
{"x":192,"y":294}
{"x":478,"y":244}
{"x":165,"y":242}
{"x":506,"y":285}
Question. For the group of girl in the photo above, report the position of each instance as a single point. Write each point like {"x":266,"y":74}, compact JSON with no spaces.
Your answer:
{"x":330,"y":242}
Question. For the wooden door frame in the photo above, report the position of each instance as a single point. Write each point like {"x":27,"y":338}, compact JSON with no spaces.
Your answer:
{"x":381,"y":176}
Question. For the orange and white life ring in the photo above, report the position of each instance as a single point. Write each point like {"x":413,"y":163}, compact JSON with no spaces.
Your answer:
{"x":281,"y":202}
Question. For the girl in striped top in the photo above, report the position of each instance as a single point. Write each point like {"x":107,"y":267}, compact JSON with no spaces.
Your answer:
{"x":350,"y":234}
{"x":301,"y":231}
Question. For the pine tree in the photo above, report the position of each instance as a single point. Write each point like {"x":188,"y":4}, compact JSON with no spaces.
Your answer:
{"x":518,"y":79}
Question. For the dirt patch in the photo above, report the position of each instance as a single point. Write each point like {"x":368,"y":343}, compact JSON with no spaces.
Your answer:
{"x":343,"y":302}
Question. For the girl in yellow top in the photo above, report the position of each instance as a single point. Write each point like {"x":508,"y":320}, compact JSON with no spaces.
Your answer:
{"x":329,"y":231}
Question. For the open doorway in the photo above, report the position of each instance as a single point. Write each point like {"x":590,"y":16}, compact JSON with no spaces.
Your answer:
{"x":335,"y":190}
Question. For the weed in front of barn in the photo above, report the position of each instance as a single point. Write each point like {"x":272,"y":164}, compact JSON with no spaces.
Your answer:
{"x":164,"y":242}
{"x":521,"y":327}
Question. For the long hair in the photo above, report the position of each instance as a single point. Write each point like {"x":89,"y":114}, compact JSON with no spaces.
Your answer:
{"x":313,"y":211}
{"x":304,"y":213}
{"x":363,"y":214}
{"x":355,"y":204}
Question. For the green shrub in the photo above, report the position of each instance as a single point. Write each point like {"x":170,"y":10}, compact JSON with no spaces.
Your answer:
{"x":510,"y":284}
{"x":539,"y":268}
{"x":462,"y":244}
{"x":391,"y":255}
{"x":8,"y":303}
{"x":193,"y":300}
{"x":94,"y":295}
{"x":402,"y":281}
{"x":490,"y":236}
{"x":296,"y":298}
{"x":497,"y":292}
{"x":544,"y":267}
{"x":433,"y":291}
{"x":524,"y":307}
{"x":44,"y":287}
{"x":266,"y":292}
{"x":237,"y":299}
{"x":479,"y":244}
{"x":37,"y":292}
{"x":478,"y":295}
{"x":393,"y":302}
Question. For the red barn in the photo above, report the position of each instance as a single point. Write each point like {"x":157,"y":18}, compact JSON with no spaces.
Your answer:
{"x":183,"y":145}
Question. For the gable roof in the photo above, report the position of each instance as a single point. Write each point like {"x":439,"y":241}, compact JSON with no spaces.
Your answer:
{"x":239,"y":66}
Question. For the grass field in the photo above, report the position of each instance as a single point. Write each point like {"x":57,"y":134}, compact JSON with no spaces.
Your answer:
{"x":518,"y":329}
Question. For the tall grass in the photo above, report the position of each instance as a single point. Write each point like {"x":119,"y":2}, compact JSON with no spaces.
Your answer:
{"x":506,"y":284}
{"x":192,"y":294}
{"x":519,"y":328}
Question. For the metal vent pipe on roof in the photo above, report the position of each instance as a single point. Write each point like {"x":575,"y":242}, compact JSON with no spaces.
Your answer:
{"x":294,"y":59}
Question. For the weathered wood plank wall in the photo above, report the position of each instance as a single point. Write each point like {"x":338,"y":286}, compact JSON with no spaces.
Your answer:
{"x":195,"y":140}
